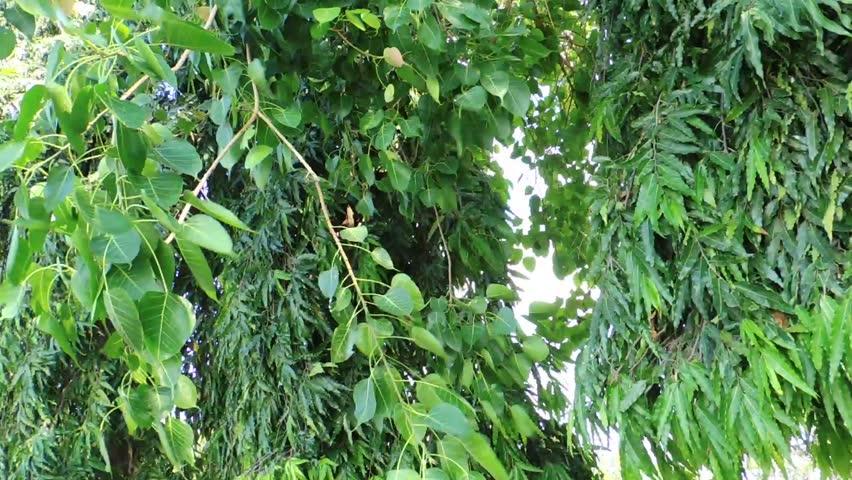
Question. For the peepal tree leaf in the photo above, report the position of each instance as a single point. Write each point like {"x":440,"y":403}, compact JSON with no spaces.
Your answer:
{"x":447,"y":418}
{"x":197,"y":263}
{"x":215,"y":210}
{"x":207,"y":233}
{"x":329,"y":281}
{"x":325,"y":15}
{"x":167,"y":322}
{"x":179,"y":33}
{"x":396,"y":301}
{"x":7,"y":42}
{"x":179,"y":155}
{"x":382,"y":257}
{"x":497,"y":83}
{"x":517,"y":97}
{"x":342,"y":343}
{"x":365,"y":400}
{"x":354,"y":234}
{"x":125,"y":318}
{"x":177,"y":440}
{"x":473,"y":99}
{"x":117,"y":248}
{"x":60,"y":184}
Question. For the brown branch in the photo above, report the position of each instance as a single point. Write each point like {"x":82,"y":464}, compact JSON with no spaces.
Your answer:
{"x":316,"y":181}
{"x":204,"y":178}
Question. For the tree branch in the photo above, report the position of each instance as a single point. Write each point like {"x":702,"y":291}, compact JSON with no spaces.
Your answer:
{"x":316,"y":181}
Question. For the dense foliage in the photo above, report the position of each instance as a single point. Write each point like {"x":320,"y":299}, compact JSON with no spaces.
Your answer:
{"x":236,"y":236}
{"x":718,"y":234}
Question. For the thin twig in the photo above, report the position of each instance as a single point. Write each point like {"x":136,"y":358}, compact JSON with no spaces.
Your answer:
{"x":204,"y":178}
{"x":316,"y":181}
{"x":447,"y":252}
{"x":177,"y":66}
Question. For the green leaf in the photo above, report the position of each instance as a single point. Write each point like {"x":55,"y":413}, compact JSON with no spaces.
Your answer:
{"x":424,"y":339}
{"x":163,"y":187}
{"x":342,"y":343}
{"x":382,"y":257}
{"x":403,"y":474}
{"x":329,"y":280}
{"x":365,"y":401}
{"x":10,"y":153}
{"x":480,"y":450}
{"x":355,"y":234}
{"x":7,"y":42}
{"x":290,"y":116}
{"x":60,"y":184}
{"x":21,"y":20}
{"x":197,"y":263}
{"x":31,"y":105}
{"x":399,"y":174}
{"x":523,"y":423}
{"x":839,"y":336}
{"x":325,"y":15}
{"x":500,"y":292}
{"x":776,"y":362}
{"x":215,"y":210}
{"x":132,"y":148}
{"x":396,"y":301}
{"x":384,"y":137}
{"x":434,"y":88}
{"x":186,"y":395}
{"x":637,"y":389}
{"x":179,"y":155}
{"x":536,"y":349}
{"x":419,"y":5}
{"x":497,"y":83}
{"x":404,"y":281}
{"x":751,"y":42}
{"x":125,"y":318}
{"x":208,"y":233}
{"x":764,"y":297}
{"x":473,"y":99}
{"x":177,"y":440}
{"x":167,"y":322}
{"x":430,"y":34}
{"x":517,"y":97}
{"x":371,"y":120}
{"x":117,"y":248}
{"x":372,"y":20}
{"x":257,"y":155}
{"x":178,"y":33}
{"x":129,"y":114}
{"x":136,"y":280}
{"x":50,"y":325}
{"x":446,"y":418}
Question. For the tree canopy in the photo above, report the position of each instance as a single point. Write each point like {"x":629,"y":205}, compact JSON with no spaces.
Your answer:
{"x":269,"y":239}
{"x":717,"y":232}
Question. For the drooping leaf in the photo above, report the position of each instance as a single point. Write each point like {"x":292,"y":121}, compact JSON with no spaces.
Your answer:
{"x":446,"y":418}
{"x":125,"y":318}
{"x":207,"y":233}
{"x":365,"y":400}
{"x":396,"y":301}
{"x":167,"y":322}
{"x":177,"y":440}
{"x":178,"y":155}
{"x":329,"y":280}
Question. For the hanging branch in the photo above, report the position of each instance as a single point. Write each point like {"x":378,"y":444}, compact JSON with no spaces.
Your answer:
{"x":316,"y":181}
